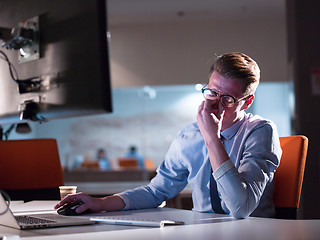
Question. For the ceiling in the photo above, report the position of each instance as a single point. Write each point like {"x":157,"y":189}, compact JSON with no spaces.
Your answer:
{"x":152,"y":11}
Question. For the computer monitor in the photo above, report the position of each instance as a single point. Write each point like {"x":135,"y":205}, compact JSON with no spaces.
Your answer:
{"x":66,"y":71}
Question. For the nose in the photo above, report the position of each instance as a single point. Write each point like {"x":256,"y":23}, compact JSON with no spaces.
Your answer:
{"x":214,"y":101}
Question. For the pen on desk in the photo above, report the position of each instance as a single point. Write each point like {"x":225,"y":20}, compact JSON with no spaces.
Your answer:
{"x":127,"y":222}
{"x":130,"y":222}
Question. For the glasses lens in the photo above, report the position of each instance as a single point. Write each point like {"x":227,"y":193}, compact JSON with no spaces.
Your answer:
{"x":209,"y":94}
{"x":227,"y":101}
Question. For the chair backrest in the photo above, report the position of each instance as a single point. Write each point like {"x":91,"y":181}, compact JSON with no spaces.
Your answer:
{"x":149,"y":164}
{"x":90,"y":165}
{"x":289,"y":176}
{"x":30,"y":167}
{"x":127,"y":162}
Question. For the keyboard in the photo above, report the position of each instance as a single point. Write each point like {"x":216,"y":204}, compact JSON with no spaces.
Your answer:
{"x":25,"y":220}
{"x":136,"y":222}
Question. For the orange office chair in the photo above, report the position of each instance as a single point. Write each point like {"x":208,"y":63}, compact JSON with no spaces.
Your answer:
{"x":128,"y":163}
{"x":289,"y":176}
{"x":90,"y":165}
{"x":149,"y":165}
{"x":30,"y":169}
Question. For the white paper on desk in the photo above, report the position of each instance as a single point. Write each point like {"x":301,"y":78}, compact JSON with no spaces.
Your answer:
{"x":42,"y":206}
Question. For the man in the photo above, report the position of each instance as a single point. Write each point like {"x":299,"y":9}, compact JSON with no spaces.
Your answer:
{"x":228,"y":156}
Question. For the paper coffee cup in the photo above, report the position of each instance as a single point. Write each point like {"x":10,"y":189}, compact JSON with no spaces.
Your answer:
{"x":65,"y":190}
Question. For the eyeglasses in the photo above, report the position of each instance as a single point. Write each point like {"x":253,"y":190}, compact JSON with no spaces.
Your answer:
{"x":225,"y":99}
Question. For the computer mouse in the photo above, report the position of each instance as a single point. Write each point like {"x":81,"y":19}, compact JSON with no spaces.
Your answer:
{"x":69,"y":209}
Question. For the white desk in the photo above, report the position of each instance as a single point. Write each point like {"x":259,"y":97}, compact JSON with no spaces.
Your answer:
{"x":198,"y":226}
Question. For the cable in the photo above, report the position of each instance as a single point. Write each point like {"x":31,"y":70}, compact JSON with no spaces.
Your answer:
{"x":11,"y":67}
{"x":25,"y":85}
{"x":13,"y":71}
{"x":7,"y":198}
{"x":6,"y":134}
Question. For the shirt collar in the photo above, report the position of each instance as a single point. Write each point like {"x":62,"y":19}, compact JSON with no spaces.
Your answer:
{"x":231,"y":131}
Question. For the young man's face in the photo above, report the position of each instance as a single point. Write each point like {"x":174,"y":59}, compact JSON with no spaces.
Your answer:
{"x":232,"y":87}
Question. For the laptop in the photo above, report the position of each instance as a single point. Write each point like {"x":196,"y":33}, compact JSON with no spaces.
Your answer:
{"x":35,"y":221}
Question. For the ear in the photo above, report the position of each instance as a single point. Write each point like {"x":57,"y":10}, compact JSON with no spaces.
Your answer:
{"x":248,"y":102}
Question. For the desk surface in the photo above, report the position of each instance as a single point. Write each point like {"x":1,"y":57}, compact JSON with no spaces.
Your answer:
{"x":198,"y":226}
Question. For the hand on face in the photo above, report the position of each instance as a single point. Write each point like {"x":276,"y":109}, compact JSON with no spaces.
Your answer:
{"x":210,"y":117}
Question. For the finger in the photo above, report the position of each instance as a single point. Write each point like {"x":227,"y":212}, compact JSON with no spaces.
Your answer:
{"x":208,"y":104}
{"x":201,"y":106}
{"x":200,"y":109}
{"x":62,"y":202}
{"x":222,"y":115}
{"x":221,"y":119}
{"x":68,"y":198}
{"x":88,"y":203}
{"x":82,"y":208}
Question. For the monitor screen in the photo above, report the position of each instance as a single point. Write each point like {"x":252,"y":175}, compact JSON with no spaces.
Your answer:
{"x":54,"y":63}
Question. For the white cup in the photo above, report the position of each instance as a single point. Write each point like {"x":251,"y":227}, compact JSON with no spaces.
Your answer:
{"x":65,"y":190}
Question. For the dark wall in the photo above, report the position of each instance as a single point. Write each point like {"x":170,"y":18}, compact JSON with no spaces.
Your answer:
{"x":303,"y":57}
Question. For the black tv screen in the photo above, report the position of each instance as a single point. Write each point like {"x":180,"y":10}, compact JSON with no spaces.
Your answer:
{"x":68,"y":72}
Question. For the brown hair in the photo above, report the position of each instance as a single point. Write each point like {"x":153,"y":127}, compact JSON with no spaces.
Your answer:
{"x":239,"y":66}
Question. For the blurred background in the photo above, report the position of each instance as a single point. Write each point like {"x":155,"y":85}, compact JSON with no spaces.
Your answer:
{"x":161,"y":50}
